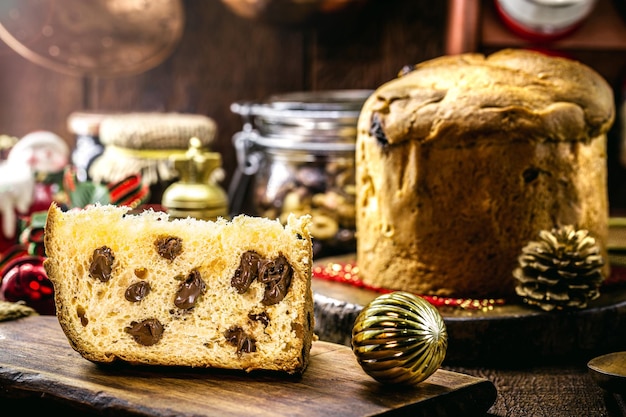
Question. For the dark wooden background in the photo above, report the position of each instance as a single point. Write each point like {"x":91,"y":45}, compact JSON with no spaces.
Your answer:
{"x":223,"y":58}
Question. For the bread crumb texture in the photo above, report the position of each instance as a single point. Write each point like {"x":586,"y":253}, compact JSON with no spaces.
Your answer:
{"x":146,"y":289}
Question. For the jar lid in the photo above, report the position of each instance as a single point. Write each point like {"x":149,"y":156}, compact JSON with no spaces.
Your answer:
{"x":156,"y":130}
{"x":312,"y":117}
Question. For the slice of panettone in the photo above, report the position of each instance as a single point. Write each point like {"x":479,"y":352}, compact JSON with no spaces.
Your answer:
{"x":145,"y":289}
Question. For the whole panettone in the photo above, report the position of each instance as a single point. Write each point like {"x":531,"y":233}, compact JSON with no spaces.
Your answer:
{"x":464,"y":159}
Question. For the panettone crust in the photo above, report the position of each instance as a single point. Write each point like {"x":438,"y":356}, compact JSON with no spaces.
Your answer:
{"x":473,"y":156}
{"x":525,"y":94}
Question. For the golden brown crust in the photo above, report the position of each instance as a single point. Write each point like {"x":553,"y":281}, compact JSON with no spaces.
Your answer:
{"x":199,"y":318}
{"x":478,"y":155}
{"x":527,"y":95}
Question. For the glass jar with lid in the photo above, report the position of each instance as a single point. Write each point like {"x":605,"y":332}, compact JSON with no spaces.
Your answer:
{"x":299,"y":149}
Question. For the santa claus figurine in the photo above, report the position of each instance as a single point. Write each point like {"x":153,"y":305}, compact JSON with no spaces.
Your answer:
{"x":29,"y":180}
{"x":17,"y":185}
{"x":47,"y":155}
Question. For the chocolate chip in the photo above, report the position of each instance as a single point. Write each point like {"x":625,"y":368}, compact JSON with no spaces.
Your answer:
{"x":102,"y":263}
{"x":137,"y":291}
{"x":262,"y":317}
{"x":247,"y":271}
{"x":146,"y":332}
{"x":237,"y":337}
{"x":376,"y":130}
{"x":189,"y":291}
{"x":276,"y":274}
{"x":530,"y":174}
{"x":169,"y":247}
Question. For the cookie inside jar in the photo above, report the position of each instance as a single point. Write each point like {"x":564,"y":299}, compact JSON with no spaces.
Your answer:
{"x":300,"y":150}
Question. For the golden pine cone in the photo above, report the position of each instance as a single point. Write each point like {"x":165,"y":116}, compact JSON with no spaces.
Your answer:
{"x":561,"y":270}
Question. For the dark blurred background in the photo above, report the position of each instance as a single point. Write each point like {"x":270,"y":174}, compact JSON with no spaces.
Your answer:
{"x":223,"y":57}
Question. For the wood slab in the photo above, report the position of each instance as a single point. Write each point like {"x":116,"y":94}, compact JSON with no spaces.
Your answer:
{"x":509,"y":334}
{"x":36,"y":360}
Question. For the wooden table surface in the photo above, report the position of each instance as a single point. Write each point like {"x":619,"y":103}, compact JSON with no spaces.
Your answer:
{"x":548,"y":391}
{"x":36,"y":361}
{"x":557,"y":390}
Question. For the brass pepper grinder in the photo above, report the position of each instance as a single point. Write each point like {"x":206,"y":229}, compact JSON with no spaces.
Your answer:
{"x":196,"y":193}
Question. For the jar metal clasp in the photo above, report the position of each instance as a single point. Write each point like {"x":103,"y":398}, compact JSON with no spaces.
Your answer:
{"x":249,"y":159}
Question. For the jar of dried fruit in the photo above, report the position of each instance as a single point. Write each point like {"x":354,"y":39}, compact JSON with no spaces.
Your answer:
{"x":299,"y":150}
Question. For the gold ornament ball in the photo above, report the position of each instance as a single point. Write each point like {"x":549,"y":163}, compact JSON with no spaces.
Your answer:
{"x":399,"y":338}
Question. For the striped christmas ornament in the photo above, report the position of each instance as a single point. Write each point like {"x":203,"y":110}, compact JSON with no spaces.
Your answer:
{"x":399,"y":338}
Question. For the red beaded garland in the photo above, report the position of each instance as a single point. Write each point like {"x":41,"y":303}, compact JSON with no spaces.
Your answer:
{"x":348,"y":273}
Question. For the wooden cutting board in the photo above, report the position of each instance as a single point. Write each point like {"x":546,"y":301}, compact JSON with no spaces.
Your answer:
{"x":36,"y":360}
